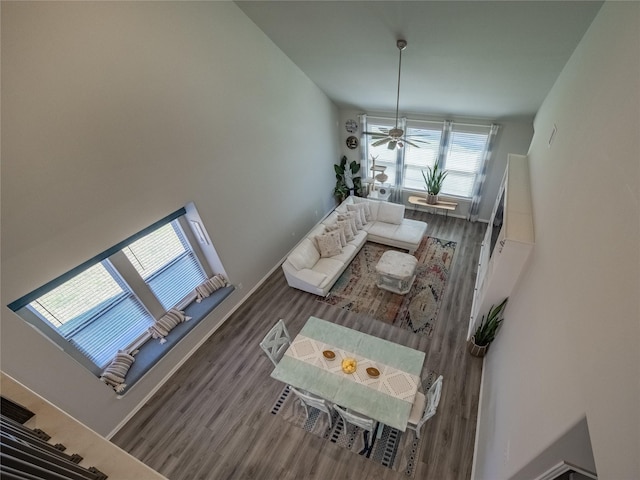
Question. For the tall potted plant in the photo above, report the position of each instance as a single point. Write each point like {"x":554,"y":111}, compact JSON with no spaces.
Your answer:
{"x":347,"y":179}
{"x":433,"y":179}
{"x":486,"y":331}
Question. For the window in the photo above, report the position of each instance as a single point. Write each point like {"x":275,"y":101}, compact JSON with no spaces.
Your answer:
{"x":167,"y":263}
{"x":99,"y":307}
{"x":458,"y":148}
{"x":417,"y":159}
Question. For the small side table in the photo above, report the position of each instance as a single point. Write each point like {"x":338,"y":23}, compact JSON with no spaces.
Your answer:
{"x":396,"y":272}
{"x":446,"y":206}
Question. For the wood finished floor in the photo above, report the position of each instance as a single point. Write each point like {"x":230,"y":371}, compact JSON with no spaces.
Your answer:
{"x":212,"y":420}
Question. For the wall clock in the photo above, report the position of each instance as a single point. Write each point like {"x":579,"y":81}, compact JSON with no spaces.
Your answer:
{"x":351,"y":126}
{"x":352,"y":142}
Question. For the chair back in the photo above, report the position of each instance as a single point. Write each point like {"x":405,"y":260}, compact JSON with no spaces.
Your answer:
{"x":433,"y":399}
{"x":276,"y":342}
{"x":313,"y":401}
{"x":363,"y":422}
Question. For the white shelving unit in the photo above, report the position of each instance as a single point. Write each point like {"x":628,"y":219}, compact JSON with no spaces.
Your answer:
{"x":506,"y":247}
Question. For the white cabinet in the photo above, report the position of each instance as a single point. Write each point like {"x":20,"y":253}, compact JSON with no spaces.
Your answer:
{"x":507,"y":243}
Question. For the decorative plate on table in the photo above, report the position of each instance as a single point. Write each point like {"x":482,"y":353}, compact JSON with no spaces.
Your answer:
{"x":329,"y":355}
{"x":373,"y":372}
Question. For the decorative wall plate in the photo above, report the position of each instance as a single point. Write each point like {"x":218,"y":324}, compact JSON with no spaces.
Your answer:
{"x":351,"y":126}
{"x":352,"y":142}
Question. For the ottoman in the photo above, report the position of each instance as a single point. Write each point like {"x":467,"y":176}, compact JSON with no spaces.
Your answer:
{"x":396,"y":271}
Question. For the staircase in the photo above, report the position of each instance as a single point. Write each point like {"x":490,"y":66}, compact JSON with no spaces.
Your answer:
{"x":39,"y":441}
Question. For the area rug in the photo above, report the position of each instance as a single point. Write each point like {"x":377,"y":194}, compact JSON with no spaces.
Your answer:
{"x":394,"y":449}
{"x":417,"y":311}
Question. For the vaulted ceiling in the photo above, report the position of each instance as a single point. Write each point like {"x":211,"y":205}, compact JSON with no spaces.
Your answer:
{"x":487,"y":59}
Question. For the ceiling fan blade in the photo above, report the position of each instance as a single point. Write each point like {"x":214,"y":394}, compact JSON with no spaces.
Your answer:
{"x":417,"y":140}
{"x":381,"y":142}
{"x":410,"y":142}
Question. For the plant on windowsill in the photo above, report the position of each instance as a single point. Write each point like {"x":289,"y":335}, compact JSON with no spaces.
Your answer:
{"x":347,"y":180}
{"x":486,"y":331}
{"x":434,"y":179}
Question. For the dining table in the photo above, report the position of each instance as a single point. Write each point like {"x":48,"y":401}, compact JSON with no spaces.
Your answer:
{"x":387,"y":397}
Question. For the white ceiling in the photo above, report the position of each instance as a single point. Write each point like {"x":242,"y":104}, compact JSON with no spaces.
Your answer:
{"x":488,"y":59}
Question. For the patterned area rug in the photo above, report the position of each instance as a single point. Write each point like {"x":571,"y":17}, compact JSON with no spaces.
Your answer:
{"x":394,"y":449}
{"x":417,"y":311}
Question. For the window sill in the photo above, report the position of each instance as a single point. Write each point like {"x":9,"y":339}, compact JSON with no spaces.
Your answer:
{"x":152,"y":351}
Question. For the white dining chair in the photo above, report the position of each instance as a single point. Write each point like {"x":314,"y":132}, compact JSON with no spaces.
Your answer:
{"x":310,"y":400}
{"x":356,"y":419}
{"x":276,"y":342}
{"x":425,"y":407}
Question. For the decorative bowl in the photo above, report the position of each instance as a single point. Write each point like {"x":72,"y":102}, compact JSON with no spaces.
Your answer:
{"x":349,"y":365}
{"x":373,"y":372}
{"x":329,"y":355}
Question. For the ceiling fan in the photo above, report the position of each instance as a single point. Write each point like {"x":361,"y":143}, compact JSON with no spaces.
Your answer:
{"x":394,"y":136}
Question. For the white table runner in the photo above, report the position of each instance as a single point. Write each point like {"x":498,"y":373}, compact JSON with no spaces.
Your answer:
{"x":392,"y":381}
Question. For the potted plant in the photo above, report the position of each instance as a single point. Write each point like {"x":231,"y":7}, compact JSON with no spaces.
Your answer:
{"x":486,"y":331}
{"x":434,"y":179}
{"x":346,"y":179}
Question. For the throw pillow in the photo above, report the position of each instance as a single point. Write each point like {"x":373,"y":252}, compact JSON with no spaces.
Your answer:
{"x":114,"y":375}
{"x":350,"y":217}
{"x":339,"y":228}
{"x":359,"y":208}
{"x":329,"y":244}
{"x":356,"y":216}
{"x":209,"y":286}
{"x":166,"y":323}
{"x":346,"y":228}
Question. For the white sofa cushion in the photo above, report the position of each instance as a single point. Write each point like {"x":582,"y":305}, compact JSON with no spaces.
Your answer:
{"x":312,"y":277}
{"x":329,"y":266}
{"x":410,"y":232}
{"x":304,"y":255}
{"x":347,"y":254}
{"x":390,"y":213}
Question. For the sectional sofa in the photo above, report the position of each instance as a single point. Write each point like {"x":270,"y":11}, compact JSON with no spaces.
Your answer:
{"x":316,"y":263}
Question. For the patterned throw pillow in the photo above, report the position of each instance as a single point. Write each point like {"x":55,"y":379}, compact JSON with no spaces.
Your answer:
{"x":346,"y":228}
{"x":351,"y":218}
{"x":339,"y":228}
{"x":209,"y":286}
{"x":166,"y":323}
{"x":329,"y":244}
{"x":359,"y":208}
{"x":117,"y":370}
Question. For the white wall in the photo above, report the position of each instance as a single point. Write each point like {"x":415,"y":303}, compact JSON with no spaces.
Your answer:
{"x":118,"y":113}
{"x":569,"y":347}
{"x":514,"y":136}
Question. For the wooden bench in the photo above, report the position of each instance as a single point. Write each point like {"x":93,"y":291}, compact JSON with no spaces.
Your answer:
{"x":446,"y":206}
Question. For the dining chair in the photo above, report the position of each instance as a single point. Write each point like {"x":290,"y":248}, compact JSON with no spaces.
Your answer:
{"x":310,"y":400}
{"x":425,"y":407}
{"x":276,"y":342}
{"x":353,"y":418}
